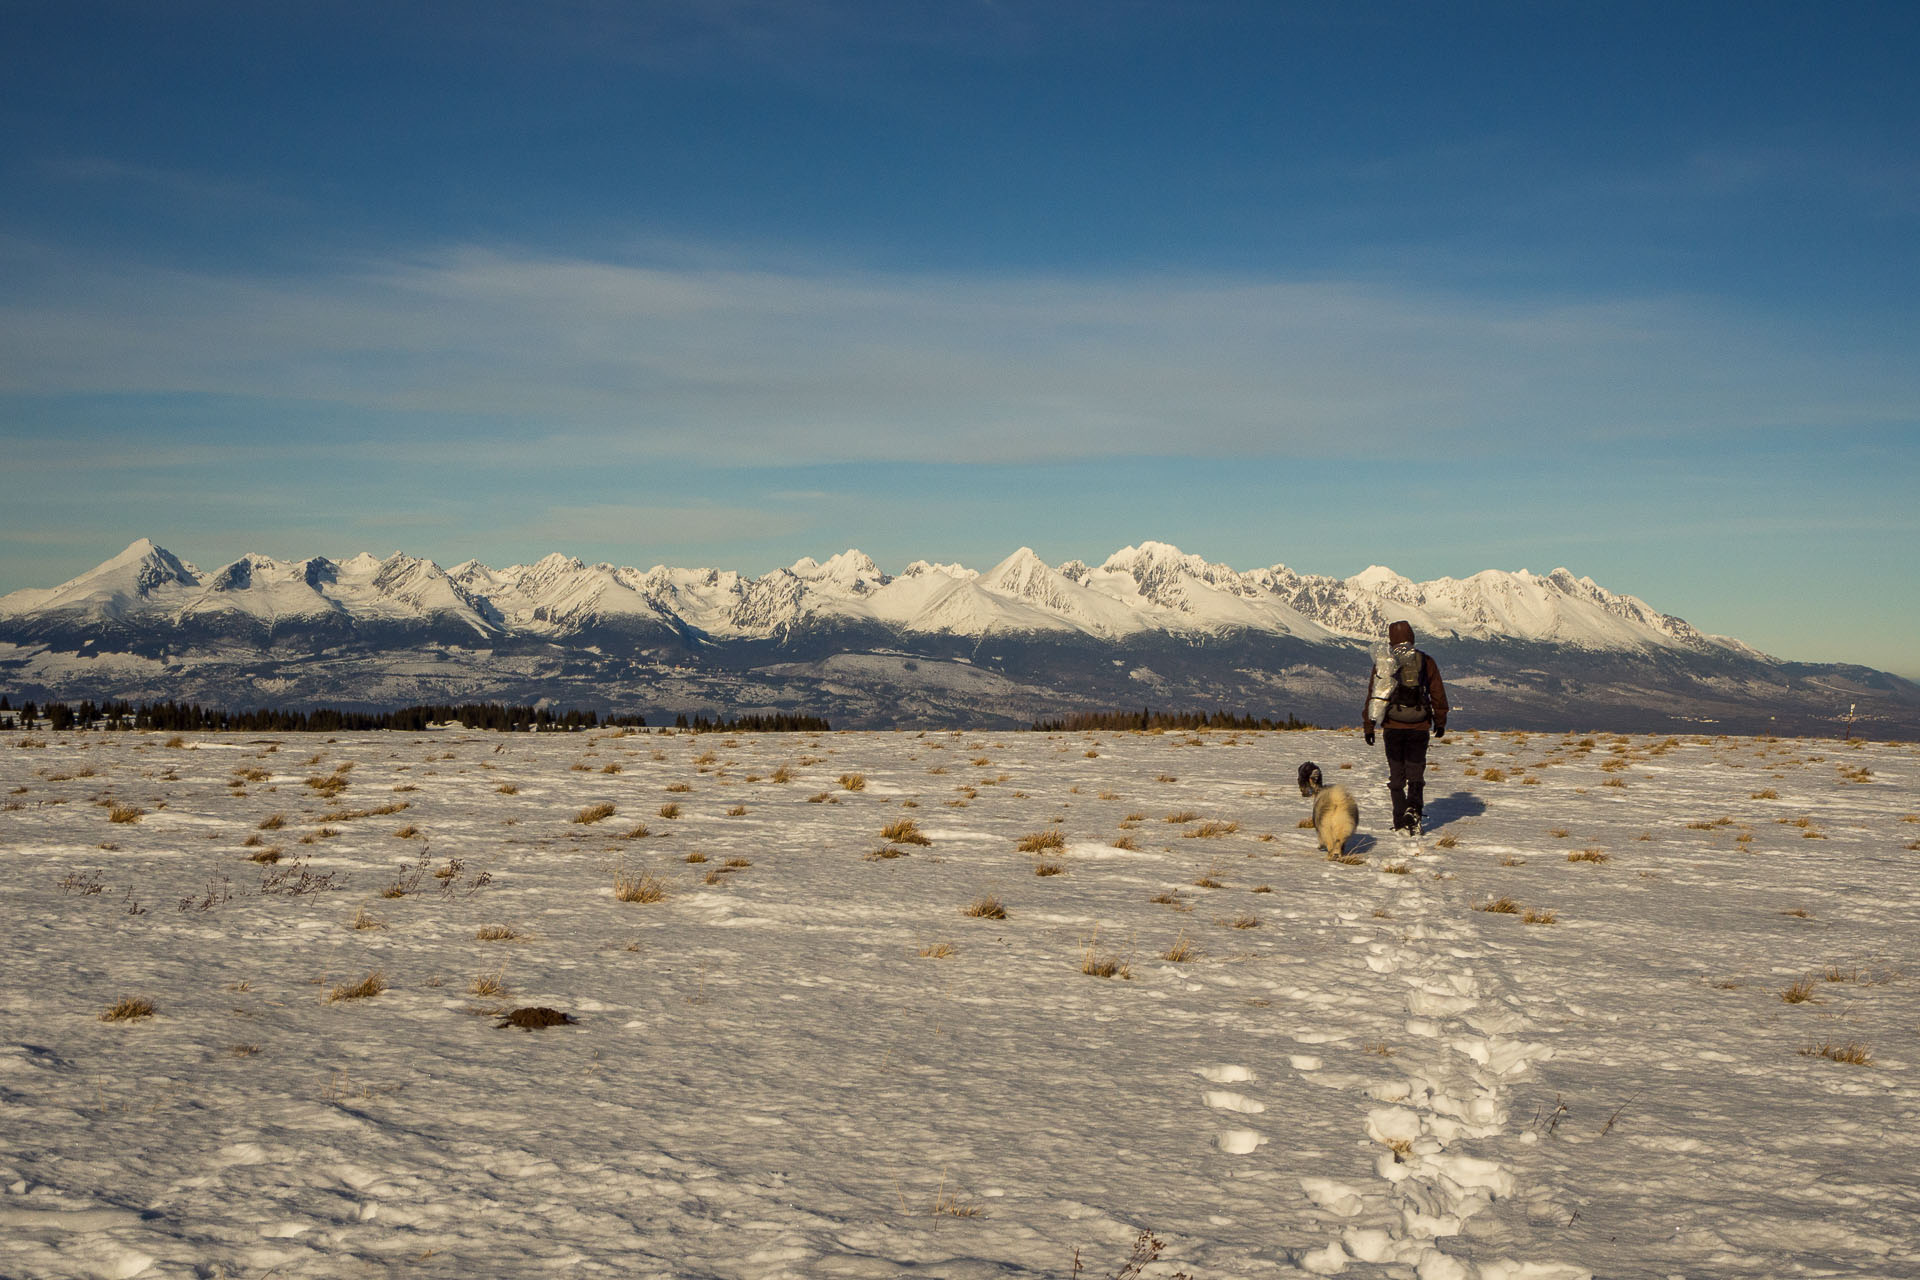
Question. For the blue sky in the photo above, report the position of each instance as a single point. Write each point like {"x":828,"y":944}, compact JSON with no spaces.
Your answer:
{"x":1632,"y":289}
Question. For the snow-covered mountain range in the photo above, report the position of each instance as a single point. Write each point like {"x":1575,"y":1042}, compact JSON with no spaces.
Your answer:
{"x":934,"y":643}
{"x":1151,"y":587}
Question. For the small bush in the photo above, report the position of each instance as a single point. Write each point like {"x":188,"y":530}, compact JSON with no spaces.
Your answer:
{"x":594,"y":813}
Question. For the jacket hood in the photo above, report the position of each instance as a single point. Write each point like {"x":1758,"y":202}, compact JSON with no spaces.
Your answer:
{"x":1400,"y":633}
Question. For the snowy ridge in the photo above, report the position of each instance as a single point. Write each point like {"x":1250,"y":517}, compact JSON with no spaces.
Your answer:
{"x":1152,"y":587}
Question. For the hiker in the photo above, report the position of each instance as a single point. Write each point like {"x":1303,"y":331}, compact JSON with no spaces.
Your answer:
{"x":1405,"y":696}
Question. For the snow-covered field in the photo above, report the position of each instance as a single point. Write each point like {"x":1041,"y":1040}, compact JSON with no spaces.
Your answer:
{"x":805,"y":1060}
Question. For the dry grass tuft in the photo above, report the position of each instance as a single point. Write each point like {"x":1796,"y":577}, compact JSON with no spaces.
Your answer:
{"x":1560,"y":833}
{"x":637,"y":887}
{"x":1493,"y":775}
{"x":1095,"y":965}
{"x":905,"y":831}
{"x":1181,"y":951}
{"x":498,"y":933}
{"x":737,"y":811}
{"x":363,"y":921}
{"x":125,"y":813}
{"x":1538,"y":915}
{"x":365,"y":989}
{"x":1447,"y":842}
{"x":1041,"y":841}
{"x":1049,"y":869}
{"x":1396,"y":868}
{"x":1852,"y":1052}
{"x":853,"y":781}
{"x":411,"y":832}
{"x":1124,"y":842}
{"x":1245,"y":920}
{"x":488,"y":984}
{"x":986,"y":907}
{"x":507,"y":789}
{"x":594,"y":813}
{"x":266,"y":857}
{"x":1499,"y":906}
{"x":679,"y":788}
{"x":1348,"y":860}
{"x":1798,"y":992}
{"x":1208,"y":830}
{"x":1589,"y":855}
{"x":937,"y":950}
{"x":1184,"y":815}
{"x":1208,"y":882}
{"x":1768,"y":794}
{"x":128,"y":1009}
{"x":669,"y":811}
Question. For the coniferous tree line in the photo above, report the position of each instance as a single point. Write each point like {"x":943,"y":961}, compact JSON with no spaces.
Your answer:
{"x":1146,"y":718}
{"x":188,"y":717}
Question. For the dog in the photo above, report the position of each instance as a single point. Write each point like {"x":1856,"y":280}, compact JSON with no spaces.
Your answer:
{"x":1335,"y":815}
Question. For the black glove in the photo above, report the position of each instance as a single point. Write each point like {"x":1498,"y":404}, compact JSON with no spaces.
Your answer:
{"x":1439,"y":731}
{"x":1369,"y":733}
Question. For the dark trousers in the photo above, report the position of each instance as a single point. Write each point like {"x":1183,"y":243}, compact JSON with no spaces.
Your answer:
{"x":1406,"y":771}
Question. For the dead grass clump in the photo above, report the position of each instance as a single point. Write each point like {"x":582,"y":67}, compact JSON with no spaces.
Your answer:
{"x":1305,"y":824}
{"x":411,"y":832}
{"x":1396,"y":868}
{"x":1852,"y":1052}
{"x":1538,"y":915}
{"x":1589,"y":855}
{"x":498,"y":933}
{"x":363,"y":921}
{"x":637,"y":887}
{"x":1124,"y":842}
{"x":1208,"y":882}
{"x":266,"y":857}
{"x":507,"y":789}
{"x":1164,"y":777}
{"x":1180,"y":952}
{"x":696,"y":857}
{"x":488,"y":984}
{"x":1245,"y":920}
{"x":365,"y":989}
{"x":1348,"y":860}
{"x":1095,"y":965}
{"x":1041,"y":841}
{"x":679,"y":788}
{"x":1799,"y":991}
{"x":1493,"y":775}
{"x":1560,"y":833}
{"x":1499,"y":906}
{"x":1447,"y":842}
{"x":782,"y":774}
{"x":128,"y":1009}
{"x":853,"y":781}
{"x":125,"y":813}
{"x":737,"y":811}
{"x":1184,"y":815}
{"x":1768,"y":794}
{"x":905,"y":831}
{"x":937,"y":950}
{"x":669,"y":811}
{"x":638,"y":833}
{"x":1209,"y":830}
{"x":1049,"y":869}
{"x":594,"y":813}
{"x":986,"y":907}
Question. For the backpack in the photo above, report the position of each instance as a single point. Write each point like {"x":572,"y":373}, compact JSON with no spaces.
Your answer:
{"x":1407,"y":704}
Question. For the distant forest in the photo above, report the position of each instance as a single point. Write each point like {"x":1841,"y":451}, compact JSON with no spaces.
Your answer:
{"x":1148,"y":719}
{"x":187,"y":717}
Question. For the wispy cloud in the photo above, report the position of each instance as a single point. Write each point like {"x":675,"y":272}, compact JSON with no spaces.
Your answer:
{"x":744,"y":363}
